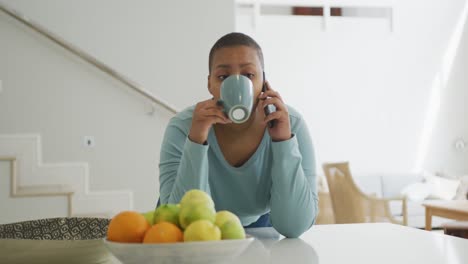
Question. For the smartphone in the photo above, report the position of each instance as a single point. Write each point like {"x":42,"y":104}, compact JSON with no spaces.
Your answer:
{"x":268,"y":108}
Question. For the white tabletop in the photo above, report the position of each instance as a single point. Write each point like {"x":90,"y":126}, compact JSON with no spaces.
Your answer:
{"x":378,"y":243}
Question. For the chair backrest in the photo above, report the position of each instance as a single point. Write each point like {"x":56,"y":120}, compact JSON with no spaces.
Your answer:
{"x":349,"y":203}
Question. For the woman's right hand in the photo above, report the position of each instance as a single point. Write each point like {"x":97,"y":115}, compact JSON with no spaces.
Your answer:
{"x":206,"y":114}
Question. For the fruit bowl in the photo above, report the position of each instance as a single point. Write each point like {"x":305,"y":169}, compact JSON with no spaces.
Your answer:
{"x":54,"y":240}
{"x":182,"y":252}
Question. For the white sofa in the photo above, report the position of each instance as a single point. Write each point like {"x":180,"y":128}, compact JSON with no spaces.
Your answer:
{"x":391,"y":185}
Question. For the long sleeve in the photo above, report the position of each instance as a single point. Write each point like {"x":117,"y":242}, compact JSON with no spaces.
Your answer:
{"x":294,"y":199}
{"x":183,"y":165}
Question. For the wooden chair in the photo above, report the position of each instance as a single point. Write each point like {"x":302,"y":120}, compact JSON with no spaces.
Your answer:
{"x":351,"y":205}
{"x":325,"y":215}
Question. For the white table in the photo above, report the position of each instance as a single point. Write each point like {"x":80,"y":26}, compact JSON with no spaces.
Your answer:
{"x":378,"y":243}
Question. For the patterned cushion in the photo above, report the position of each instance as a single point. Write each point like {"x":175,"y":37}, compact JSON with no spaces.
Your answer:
{"x":462,"y":192}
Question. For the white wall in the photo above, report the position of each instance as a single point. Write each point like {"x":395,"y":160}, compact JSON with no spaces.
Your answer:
{"x":160,"y":44}
{"x":363,"y":88}
{"x":451,"y":122}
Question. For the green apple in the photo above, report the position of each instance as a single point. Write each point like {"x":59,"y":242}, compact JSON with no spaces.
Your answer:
{"x":192,"y":212}
{"x":196,"y":196}
{"x":149,"y":216}
{"x":167,"y":213}
{"x":230,"y":225}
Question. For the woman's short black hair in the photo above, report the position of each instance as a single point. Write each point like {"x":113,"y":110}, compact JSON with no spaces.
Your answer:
{"x":235,"y":39}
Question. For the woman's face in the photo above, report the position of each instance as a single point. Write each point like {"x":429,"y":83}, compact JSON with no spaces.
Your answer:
{"x":242,"y":60}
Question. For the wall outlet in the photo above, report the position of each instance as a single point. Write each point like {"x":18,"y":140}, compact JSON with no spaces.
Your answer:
{"x":460,"y":144}
{"x":89,"y":141}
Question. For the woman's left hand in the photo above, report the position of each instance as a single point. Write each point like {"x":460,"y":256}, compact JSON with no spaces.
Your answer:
{"x":282,"y":128}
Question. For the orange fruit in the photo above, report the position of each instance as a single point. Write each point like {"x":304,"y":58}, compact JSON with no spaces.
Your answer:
{"x":163,"y":232}
{"x":127,"y":226}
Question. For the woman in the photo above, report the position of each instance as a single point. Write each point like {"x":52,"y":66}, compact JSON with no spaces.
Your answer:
{"x":262,"y":174}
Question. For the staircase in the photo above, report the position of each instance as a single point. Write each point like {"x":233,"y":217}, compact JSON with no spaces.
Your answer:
{"x":29,"y":177}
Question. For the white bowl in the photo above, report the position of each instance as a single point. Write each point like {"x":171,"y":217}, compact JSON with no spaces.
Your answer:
{"x":54,"y":241}
{"x":182,"y":252}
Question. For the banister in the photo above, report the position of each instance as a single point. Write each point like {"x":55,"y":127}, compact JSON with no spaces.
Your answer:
{"x":84,"y":56}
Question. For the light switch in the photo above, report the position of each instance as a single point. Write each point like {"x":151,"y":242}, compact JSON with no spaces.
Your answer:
{"x":89,"y":141}
{"x":460,"y":144}
{"x":1,"y":86}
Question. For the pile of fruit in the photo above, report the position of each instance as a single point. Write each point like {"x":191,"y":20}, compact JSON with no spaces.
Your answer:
{"x":193,"y":219}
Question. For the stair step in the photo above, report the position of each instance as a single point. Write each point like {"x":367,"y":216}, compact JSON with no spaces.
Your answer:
{"x":23,"y":152}
{"x":43,"y":190}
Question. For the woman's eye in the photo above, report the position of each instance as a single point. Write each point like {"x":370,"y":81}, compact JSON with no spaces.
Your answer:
{"x":249,"y":75}
{"x":222,"y":77}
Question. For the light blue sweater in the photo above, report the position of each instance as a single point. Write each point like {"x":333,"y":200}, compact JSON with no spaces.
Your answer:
{"x":278,"y":178}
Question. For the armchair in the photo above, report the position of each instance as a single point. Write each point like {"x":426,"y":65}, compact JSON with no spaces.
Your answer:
{"x":351,"y":205}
